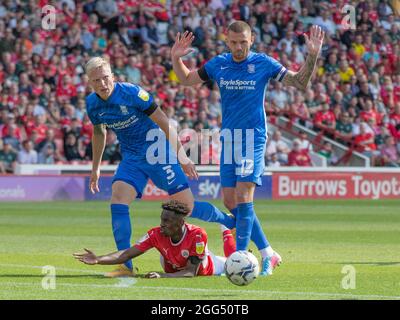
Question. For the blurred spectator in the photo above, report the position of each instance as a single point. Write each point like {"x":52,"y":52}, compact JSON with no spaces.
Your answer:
{"x":325,"y":119}
{"x":72,"y":150}
{"x":327,"y":152}
{"x":368,"y":112}
{"x":8,"y":159}
{"x":27,"y":155}
{"x":304,"y":142}
{"x":298,"y":156}
{"x":11,"y":137}
{"x":132,"y":71}
{"x":389,"y":154}
{"x":108,"y":14}
{"x":299,"y":109}
{"x":47,"y":156}
{"x":313,"y":105}
{"x":111,"y":153}
{"x":277,"y":146}
{"x":9,"y":124}
{"x":214,"y":105}
{"x":279,"y":99}
{"x":344,"y":128}
{"x":325,"y":21}
{"x":345,"y":71}
{"x":273,"y":162}
{"x":44,"y":147}
{"x":149,"y":33}
{"x":365,"y":142}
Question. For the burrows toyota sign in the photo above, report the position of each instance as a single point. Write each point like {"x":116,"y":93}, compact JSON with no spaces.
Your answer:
{"x":321,"y":185}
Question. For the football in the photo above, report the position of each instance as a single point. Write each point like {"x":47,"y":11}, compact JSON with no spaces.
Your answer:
{"x":241,"y":268}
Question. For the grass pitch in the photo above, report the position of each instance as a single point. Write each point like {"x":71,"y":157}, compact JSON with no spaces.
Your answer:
{"x":330,"y":250}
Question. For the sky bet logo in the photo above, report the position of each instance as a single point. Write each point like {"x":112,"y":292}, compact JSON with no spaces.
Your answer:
{"x":208,"y":188}
{"x":237,"y":84}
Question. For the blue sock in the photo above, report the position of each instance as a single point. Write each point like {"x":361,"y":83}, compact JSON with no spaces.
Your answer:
{"x":257,"y":233}
{"x":207,"y":212}
{"x":244,"y":225}
{"x":121,"y":226}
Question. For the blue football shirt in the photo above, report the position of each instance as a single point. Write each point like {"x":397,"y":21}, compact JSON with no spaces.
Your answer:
{"x":126,"y":112}
{"x":242,"y":86}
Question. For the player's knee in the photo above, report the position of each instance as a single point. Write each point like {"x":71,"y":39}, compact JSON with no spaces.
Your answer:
{"x":243,"y":196}
{"x":121,"y":197}
{"x":122,"y":193}
{"x":190,"y":203}
{"x":229,"y":203}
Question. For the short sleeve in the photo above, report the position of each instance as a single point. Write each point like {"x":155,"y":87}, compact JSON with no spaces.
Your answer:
{"x":210,"y":67}
{"x":146,"y":242}
{"x":199,"y":244}
{"x":274,"y":69}
{"x":93,"y":119}
{"x":140,"y":98}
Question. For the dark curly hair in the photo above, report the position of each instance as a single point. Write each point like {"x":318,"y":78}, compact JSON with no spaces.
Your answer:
{"x":176,"y":207}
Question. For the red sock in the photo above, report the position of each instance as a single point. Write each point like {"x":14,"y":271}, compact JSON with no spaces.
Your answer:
{"x":229,"y":243}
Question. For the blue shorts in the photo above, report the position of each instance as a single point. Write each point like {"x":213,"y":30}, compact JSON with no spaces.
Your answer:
{"x":136,"y":172}
{"x":245,"y":168}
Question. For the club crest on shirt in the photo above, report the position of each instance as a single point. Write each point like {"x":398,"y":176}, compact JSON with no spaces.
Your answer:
{"x":251,"y":68}
{"x":144,"y":95}
{"x":199,"y":247}
{"x":185,"y":253}
{"x":124,"y":109}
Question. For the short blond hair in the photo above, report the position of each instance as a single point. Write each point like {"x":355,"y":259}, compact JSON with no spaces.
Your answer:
{"x":96,"y":62}
{"x":239,"y":27}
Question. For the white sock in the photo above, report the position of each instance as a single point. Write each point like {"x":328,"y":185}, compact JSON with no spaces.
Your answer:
{"x":224,"y":228}
{"x":267,"y":252}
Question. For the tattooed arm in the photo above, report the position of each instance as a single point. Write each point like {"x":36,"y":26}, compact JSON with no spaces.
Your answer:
{"x":301,"y":78}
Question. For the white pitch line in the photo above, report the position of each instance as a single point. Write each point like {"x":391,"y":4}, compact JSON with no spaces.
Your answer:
{"x":57,"y":268}
{"x":222,"y":291}
{"x":125,"y":283}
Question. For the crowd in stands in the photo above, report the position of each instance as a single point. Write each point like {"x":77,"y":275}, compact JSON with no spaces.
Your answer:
{"x":354,"y":96}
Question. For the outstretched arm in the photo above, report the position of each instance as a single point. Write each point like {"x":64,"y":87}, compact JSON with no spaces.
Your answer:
{"x":301,"y":79}
{"x":181,"y":48}
{"x":118,"y":257}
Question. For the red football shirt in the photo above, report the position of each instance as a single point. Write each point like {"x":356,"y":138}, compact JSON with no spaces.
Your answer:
{"x":176,"y":255}
{"x":324,"y":117}
{"x":299,"y":158}
{"x":361,"y":138}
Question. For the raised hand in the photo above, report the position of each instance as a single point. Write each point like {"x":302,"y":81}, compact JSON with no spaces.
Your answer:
{"x":182,"y":44}
{"x":88,"y":258}
{"x":315,"y":41}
